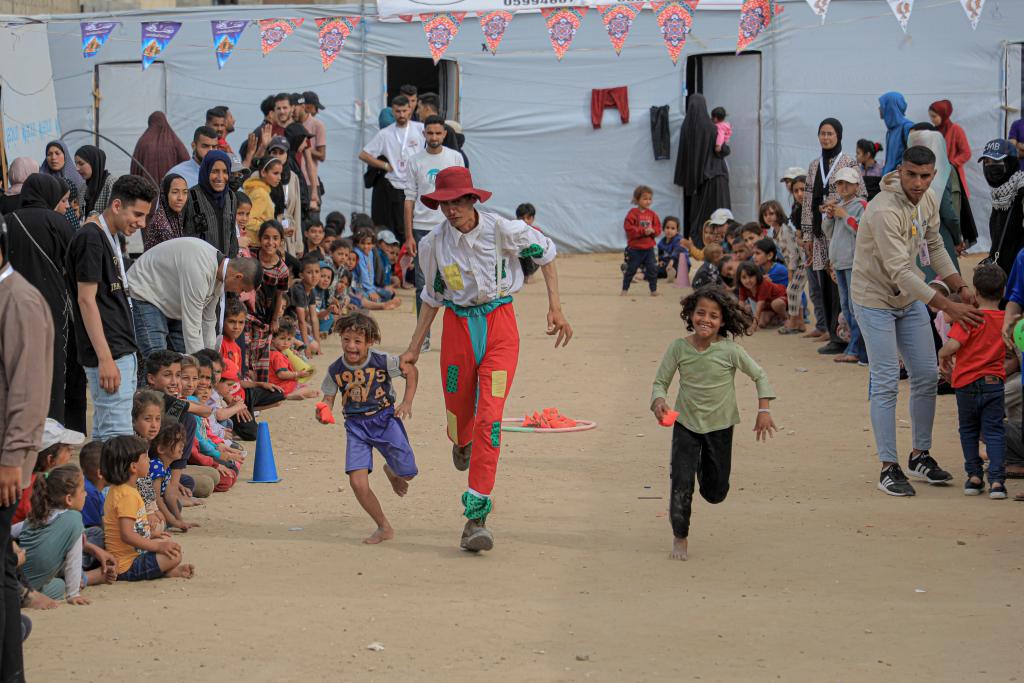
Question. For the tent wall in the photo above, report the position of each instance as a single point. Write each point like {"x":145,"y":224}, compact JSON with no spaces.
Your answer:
{"x":526,"y":115}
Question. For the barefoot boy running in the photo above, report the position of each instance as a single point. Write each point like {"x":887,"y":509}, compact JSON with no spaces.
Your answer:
{"x":363,"y":377}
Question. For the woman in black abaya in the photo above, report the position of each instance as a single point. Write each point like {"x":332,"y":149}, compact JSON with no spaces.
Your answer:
{"x":700,"y":171}
{"x":38,"y":237}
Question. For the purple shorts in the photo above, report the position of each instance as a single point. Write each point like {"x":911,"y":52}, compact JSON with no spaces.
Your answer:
{"x":382,"y":431}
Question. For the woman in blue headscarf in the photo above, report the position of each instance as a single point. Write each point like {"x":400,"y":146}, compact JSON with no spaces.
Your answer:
{"x":892,"y":108}
{"x":210,"y":211}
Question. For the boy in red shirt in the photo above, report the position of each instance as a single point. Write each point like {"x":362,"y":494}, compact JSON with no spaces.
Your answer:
{"x":257,"y":395}
{"x":769,"y":298}
{"x":978,"y":376}
{"x":282,"y":374}
{"x":642,"y":227}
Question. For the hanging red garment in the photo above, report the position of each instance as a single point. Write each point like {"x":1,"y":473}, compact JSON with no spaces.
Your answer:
{"x":957,"y":148}
{"x":607,"y":98}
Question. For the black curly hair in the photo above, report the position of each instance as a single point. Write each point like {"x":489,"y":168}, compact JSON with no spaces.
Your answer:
{"x":736,"y":319}
{"x":359,"y":322}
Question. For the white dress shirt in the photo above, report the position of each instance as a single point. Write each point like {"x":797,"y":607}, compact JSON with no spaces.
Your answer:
{"x":398,"y":145}
{"x":469,"y":264}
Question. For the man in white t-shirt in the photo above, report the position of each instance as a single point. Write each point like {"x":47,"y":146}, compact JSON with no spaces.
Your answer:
{"x":397,"y":143}
{"x":423,"y":169}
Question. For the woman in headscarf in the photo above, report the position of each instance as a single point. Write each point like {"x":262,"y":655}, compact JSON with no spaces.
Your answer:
{"x":91,"y":162}
{"x":892,"y":108}
{"x":822,"y":190}
{"x":167,"y":218}
{"x":158,"y":149}
{"x":287,"y":198}
{"x":1003,"y":175}
{"x":21,"y":169}
{"x":946,"y":187}
{"x":700,"y":171}
{"x":210,"y":211}
{"x":38,"y":237}
{"x":958,"y":150}
{"x":59,"y":162}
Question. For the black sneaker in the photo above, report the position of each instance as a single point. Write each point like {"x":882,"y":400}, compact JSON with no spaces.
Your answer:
{"x":924,"y":467}
{"x":997,"y":491}
{"x":973,"y":488}
{"x":832,"y":348}
{"x":894,"y":482}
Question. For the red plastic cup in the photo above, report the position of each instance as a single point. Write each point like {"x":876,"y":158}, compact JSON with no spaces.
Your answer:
{"x":669,"y":418}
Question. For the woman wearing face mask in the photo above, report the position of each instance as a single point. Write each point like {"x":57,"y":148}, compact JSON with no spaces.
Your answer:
{"x":1002,"y":173}
{"x":38,"y":237}
{"x":820,"y":195}
{"x":91,"y":163}
{"x":209,"y":213}
{"x":166,"y":223}
{"x":258,"y":188}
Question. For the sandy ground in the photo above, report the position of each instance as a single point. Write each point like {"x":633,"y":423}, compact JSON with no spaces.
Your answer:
{"x":805,"y":573}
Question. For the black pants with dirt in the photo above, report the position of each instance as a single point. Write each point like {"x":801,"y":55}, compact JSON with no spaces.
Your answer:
{"x":641,"y":258}
{"x":706,"y":457}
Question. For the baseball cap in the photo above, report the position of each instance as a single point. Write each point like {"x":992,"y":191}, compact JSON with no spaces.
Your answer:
{"x":297,"y":129}
{"x":55,"y":433}
{"x":850,"y":175}
{"x":278,"y":142}
{"x":792,"y":173}
{"x":236,"y":163}
{"x":721,"y":217}
{"x":387,"y":237}
{"x":998,"y":149}
{"x":310,"y":97}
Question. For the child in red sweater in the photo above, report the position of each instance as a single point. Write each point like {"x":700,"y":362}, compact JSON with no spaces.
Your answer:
{"x":642,"y":227}
{"x":282,"y":374}
{"x":769,"y":298}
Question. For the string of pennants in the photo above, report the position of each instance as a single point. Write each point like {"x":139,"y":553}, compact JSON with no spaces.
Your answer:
{"x":675,"y":21}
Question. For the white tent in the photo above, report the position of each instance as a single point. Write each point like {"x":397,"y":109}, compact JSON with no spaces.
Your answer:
{"x":526,"y":115}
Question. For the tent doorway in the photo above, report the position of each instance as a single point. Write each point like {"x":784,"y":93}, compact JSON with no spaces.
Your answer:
{"x":116,"y":84}
{"x":734,"y":82}
{"x":442,"y":78}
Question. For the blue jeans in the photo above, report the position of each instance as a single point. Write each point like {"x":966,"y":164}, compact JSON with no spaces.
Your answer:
{"x":856,"y":345}
{"x":112,"y":413}
{"x":144,"y":568}
{"x":890,"y":334}
{"x":154,"y":331}
{"x":635,"y":258}
{"x":980,"y":406}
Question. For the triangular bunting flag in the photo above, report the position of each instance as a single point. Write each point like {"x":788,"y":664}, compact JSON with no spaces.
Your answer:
{"x":441,"y":29}
{"x":562,"y":26}
{"x":225,"y":37}
{"x":902,"y":10}
{"x":274,"y":31}
{"x":333,"y":32}
{"x":94,"y":34}
{"x":819,"y":7}
{"x":675,"y":19}
{"x":618,"y":19}
{"x":156,"y":35}
{"x":494,"y":24}
{"x":755,"y":17}
{"x":973,"y":9}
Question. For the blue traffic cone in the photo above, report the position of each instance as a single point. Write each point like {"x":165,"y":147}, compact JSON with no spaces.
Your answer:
{"x":264,"y":471}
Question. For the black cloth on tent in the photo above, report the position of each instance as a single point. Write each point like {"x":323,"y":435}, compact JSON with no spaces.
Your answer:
{"x":660,"y":137}
{"x":38,"y":239}
{"x":703,"y":174}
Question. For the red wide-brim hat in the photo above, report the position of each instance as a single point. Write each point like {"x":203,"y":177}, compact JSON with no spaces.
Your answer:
{"x":452,"y":183}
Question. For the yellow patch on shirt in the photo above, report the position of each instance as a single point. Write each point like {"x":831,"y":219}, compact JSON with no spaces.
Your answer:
{"x":453,"y":275}
{"x":499,"y":383}
{"x":453,"y":427}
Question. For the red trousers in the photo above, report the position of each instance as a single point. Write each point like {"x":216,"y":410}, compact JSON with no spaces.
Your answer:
{"x":606,"y":98}
{"x":478,"y":362}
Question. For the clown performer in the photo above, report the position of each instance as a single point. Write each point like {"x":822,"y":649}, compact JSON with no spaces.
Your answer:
{"x":471,"y":266}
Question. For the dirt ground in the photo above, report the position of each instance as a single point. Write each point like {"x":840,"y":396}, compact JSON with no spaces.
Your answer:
{"x":805,"y":573}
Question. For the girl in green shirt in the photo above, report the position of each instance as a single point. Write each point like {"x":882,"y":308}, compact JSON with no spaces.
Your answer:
{"x":702,"y":434}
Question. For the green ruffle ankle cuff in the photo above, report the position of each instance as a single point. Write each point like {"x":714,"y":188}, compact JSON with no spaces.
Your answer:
{"x":476,"y":507}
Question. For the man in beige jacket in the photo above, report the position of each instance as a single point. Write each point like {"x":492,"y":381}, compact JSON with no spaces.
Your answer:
{"x":890,"y":299}
{"x":25,"y":328}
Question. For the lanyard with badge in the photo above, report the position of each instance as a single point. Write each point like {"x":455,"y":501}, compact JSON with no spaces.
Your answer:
{"x":116,"y":248}
{"x":402,"y":150}
{"x":918,"y":228}
{"x":6,"y":272}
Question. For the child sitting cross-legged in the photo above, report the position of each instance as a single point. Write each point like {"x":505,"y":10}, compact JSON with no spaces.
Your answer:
{"x":978,"y":376}
{"x":282,"y":373}
{"x":53,"y":539}
{"x":769,"y":299}
{"x":140,"y":554}
{"x":147,"y":418}
{"x":708,"y":273}
{"x":363,"y":378}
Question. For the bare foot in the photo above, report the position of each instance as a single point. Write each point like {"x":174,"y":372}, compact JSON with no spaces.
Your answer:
{"x":37,"y":600}
{"x":183,"y":571}
{"x":678,"y":549}
{"x":380,"y":535}
{"x":311,"y":392}
{"x":655,"y":293}
{"x":814,"y":334}
{"x":624,"y":292}
{"x":400,"y":485}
